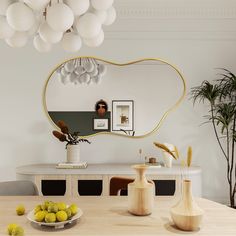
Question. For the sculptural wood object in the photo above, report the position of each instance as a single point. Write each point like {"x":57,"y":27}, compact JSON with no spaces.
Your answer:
{"x":186,"y":214}
{"x":140,"y":193}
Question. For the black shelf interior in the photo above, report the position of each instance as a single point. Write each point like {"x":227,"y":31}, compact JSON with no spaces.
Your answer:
{"x":163,"y":188}
{"x":53,"y":187}
{"x":90,"y":187}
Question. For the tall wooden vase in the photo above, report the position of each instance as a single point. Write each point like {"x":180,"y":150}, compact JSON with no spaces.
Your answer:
{"x":186,"y":214}
{"x":140,"y":193}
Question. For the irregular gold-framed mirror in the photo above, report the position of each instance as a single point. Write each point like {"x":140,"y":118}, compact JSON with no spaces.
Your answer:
{"x":96,"y":96}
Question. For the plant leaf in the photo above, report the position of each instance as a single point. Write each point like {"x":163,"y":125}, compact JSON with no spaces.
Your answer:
{"x":189,"y":156}
{"x":59,"y":135}
{"x":165,"y":148}
{"x":176,"y":152}
{"x":64,"y":128}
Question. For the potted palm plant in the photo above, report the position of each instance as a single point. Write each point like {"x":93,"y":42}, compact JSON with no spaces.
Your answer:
{"x":72,"y":141}
{"x":221,"y":97}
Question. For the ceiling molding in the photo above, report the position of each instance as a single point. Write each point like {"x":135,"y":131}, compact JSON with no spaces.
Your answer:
{"x":225,"y":9}
{"x":177,"y":12}
{"x":174,"y":19}
{"x":172,"y":35}
{"x":220,"y":9}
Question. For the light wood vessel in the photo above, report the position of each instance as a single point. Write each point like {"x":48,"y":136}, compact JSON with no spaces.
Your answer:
{"x":186,"y":214}
{"x":140,"y":193}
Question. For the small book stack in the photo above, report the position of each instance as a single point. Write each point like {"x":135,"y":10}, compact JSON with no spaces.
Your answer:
{"x":67,"y":165}
{"x":154,"y":165}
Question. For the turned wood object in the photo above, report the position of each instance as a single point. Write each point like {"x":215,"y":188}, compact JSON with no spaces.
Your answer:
{"x":140,"y":193}
{"x":186,"y":214}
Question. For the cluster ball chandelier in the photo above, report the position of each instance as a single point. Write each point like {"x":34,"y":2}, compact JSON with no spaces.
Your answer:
{"x":69,"y":22}
{"x":81,"y":71}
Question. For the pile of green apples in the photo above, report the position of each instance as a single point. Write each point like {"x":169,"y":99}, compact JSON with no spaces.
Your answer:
{"x":51,"y":212}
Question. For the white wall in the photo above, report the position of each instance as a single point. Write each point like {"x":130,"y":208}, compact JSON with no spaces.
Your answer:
{"x":197,"y":36}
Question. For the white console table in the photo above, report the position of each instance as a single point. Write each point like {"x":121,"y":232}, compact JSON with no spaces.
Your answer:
{"x":39,"y":172}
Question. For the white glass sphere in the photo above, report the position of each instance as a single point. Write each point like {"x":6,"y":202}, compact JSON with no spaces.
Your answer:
{"x":64,"y":72}
{"x":48,"y":34}
{"x":111,"y":16}
{"x":79,"y":7}
{"x":18,"y":40}
{"x":94,"y":72}
{"x":60,"y":17}
{"x":95,"y":42}
{"x":96,"y":79}
{"x":69,"y":66}
{"x":4,"y":4}
{"x":88,"y":66}
{"x":84,"y":78}
{"x":65,"y":79}
{"x":5,"y":30}
{"x":62,"y":78}
{"x":34,"y":29}
{"x":79,"y":79}
{"x":102,"y":15}
{"x":79,"y":70}
{"x":101,"y":4}
{"x":102,"y":69}
{"x":93,"y":79}
{"x":73,"y":77}
{"x":20,"y":17}
{"x":71,"y":42}
{"x":40,"y":45}
{"x":37,"y":5}
{"x":88,"y":25}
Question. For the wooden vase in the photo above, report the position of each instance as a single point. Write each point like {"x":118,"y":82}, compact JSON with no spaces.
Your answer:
{"x":186,"y":214}
{"x":140,"y":193}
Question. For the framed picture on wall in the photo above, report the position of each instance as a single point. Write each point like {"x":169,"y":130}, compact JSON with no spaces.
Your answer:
{"x":101,"y":124}
{"x":122,"y":115}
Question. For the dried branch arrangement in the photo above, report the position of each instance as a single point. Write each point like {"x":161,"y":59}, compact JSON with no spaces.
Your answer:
{"x":66,"y":136}
{"x":175,"y":153}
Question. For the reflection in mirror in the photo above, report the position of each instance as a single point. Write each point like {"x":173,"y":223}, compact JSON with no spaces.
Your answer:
{"x":93,"y":95}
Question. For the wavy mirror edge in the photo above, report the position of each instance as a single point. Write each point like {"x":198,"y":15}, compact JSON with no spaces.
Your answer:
{"x":164,"y":116}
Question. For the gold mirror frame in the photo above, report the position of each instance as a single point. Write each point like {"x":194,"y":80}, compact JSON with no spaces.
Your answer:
{"x":166,"y":113}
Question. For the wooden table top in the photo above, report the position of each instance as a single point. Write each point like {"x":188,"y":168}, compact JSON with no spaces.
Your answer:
{"x":104,"y":169}
{"x":109,"y":216}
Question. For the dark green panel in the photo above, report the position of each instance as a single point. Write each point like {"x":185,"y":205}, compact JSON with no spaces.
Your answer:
{"x":81,"y":121}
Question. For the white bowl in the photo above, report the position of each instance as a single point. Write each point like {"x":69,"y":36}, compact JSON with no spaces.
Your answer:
{"x":56,"y":225}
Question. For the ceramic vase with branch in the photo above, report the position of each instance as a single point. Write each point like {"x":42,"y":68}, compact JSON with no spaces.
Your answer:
{"x":169,"y":152}
{"x":221,"y":98}
{"x":167,"y":157}
{"x":72,"y":142}
{"x":186,"y":214}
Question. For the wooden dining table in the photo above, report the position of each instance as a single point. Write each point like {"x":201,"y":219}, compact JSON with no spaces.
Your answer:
{"x":109,"y":216}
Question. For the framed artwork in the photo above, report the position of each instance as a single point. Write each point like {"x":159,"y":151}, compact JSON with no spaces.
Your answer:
{"x":122,"y":115}
{"x":101,"y":124}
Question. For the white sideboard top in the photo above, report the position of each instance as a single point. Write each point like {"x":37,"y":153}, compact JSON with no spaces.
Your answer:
{"x":104,"y":169}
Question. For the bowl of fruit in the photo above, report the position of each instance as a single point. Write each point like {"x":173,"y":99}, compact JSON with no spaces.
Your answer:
{"x":54,"y":214}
